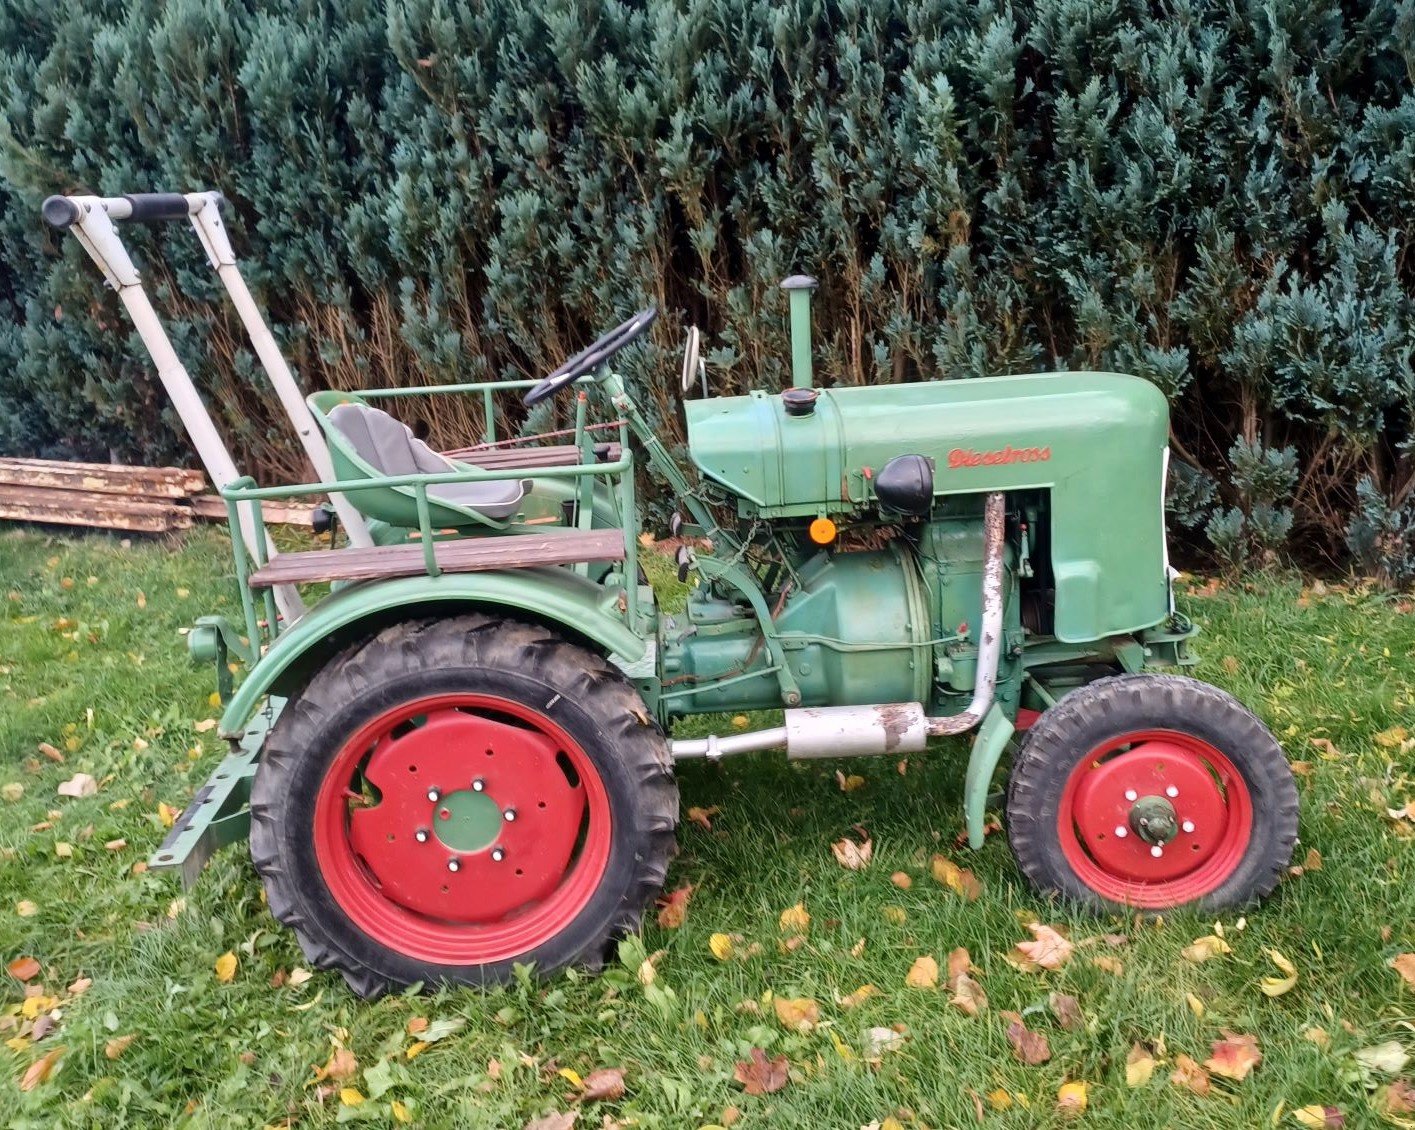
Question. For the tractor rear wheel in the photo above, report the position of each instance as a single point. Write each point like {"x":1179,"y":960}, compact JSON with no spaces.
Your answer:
{"x":1152,"y":792}
{"x":452,"y":798}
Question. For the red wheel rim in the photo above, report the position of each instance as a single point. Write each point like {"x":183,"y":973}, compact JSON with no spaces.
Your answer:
{"x":1125,"y":789}
{"x":462,"y":828}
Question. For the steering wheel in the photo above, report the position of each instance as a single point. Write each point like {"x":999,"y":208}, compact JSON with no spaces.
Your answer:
{"x":592,"y":357}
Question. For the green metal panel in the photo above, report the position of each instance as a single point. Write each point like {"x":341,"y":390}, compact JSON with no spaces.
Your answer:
{"x":1094,"y":441}
{"x":587,"y":609}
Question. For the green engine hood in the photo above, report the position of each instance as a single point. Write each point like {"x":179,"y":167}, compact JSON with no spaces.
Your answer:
{"x":1095,"y":441}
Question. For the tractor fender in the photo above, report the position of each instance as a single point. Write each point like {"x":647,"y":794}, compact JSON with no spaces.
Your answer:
{"x":582,"y":609}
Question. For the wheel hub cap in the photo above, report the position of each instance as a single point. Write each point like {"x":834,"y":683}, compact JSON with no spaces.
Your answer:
{"x":1151,"y":814}
{"x":472,"y":817}
{"x":467,"y":821}
{"x":1152,"y":818}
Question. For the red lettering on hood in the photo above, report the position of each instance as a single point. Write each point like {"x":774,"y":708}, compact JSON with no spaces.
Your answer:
{"x":967,"y":457}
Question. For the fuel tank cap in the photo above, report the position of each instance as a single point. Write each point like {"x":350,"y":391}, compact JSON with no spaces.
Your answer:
{"x":799,"y":401}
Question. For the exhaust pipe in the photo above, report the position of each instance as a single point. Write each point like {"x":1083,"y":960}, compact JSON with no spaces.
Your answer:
{"x":901,"y":727}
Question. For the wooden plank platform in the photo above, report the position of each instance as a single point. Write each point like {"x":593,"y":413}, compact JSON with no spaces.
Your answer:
{"x":465,"y":555}
{"x":91,"y":508}
{"x":213,"y":508}
{"x":102,"y":478}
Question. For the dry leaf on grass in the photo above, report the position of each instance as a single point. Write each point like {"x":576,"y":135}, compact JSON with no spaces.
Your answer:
{"x":1190,"y":1075}
{"x":225,"y":967}
{"x":1048,"y":950}
{"x":858,"y":997}
{"x":118,"y":1045}
{"x":794,"y":920}
{"x":1205,"y":948}
{"x":759,"y":1075}
{"x":556,"y":1120}
{"x":923,"y":974}
{"x":968,"y":995}
{"x":901,"y":880}
{"x":849,"y":784}
{"x":1139,"y":1066}
{"x":1071,"y":1099}
{"x":853,"y":856}
{"x":1276,"y":986}
{"x":1028,"y":1046}
{"x":1319,"y":1117}
{"x":1404,"y":964}
{"x":1234,"y":1056}
{"x":673,"y":907}
{"x":955,"y":878}
{"x":603,"y":1085}
{"x":702,"y":817}
{"x":79,"y":785}
{"x":1388,"y":1058}
{"x":1067,"y":1010}
{"x":23,"y":969}
{"x":721,"y":946}
{"x":41,"y":1069}
{"x":797,"y":1014}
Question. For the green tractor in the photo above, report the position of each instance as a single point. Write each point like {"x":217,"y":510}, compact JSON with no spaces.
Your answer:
{"x":460,"y":758}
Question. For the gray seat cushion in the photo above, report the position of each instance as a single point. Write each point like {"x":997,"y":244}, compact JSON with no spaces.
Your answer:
{"x":389,"y":446}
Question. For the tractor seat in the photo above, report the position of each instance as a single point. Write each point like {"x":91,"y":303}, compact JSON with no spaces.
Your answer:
{"x":388,"y":447}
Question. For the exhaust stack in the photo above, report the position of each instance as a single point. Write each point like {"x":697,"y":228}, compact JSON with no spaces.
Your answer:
{"x":800,"y":287}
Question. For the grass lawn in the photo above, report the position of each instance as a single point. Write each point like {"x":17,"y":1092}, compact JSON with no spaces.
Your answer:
{"x":94,"y":679}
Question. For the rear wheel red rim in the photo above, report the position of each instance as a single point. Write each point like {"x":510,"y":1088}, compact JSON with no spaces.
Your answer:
{"x":462,"y":829}
{"x":1155,"y":819}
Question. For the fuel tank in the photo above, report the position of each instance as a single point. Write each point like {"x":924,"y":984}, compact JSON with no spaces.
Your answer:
{"x":1095,"y":442}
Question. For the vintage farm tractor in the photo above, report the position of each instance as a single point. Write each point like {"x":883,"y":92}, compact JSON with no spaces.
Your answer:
{"x":460,"y":758}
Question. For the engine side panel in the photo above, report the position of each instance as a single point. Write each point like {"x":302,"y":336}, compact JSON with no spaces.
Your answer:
{"x":1094,"y":441}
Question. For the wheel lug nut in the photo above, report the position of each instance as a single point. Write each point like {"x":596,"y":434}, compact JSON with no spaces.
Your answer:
{"x":454,"y":865}
{"x":433,"y":795}
{"x":1131,"y":794}
{"x":1172,"y":791}
{"x":497,"y":854}
{"x":509,"y":815}
{"x":420,"y":835}
{"x":1188,"y":825}
{"x":1157,"y":851}
{"x":478,"y":785}
{"x":1121,"y":831}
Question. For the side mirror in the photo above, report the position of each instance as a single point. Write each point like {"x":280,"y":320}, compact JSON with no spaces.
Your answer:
{"x":906,"y":485}
{"x":693,"y":366}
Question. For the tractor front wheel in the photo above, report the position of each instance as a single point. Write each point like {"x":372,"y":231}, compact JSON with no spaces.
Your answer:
{"x":452,"y":798}
{"x":1152,"y":792}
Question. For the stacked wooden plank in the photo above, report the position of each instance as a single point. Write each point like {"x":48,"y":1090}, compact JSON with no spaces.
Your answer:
{"x":112,"y":496}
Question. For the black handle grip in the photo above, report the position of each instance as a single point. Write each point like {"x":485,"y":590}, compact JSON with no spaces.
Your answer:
{"x":154,"y":207}
{"x":59,"y":212}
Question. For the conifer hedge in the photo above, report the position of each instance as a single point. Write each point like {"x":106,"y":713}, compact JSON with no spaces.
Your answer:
{"x":1214,"y":195}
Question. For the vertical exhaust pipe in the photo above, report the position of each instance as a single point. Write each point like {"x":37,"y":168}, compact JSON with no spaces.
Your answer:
{"x":800,"y":288}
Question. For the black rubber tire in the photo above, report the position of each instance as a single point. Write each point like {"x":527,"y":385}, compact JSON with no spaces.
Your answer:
{"x":1110,"y":707}
{"x":529,"y":663}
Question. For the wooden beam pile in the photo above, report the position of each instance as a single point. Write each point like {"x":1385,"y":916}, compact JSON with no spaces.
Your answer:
{"x":115,"y":497}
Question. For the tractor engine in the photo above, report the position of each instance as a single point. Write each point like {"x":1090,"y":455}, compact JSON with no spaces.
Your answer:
{"x":861,"y":516}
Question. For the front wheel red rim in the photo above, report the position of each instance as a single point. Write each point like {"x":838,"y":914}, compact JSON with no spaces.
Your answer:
{"x":462,"y":829}
{"x":1155,"y":819}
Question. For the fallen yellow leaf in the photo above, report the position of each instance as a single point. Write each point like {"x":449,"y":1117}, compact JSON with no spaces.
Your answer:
{"x":1139,"y":1066}
{"x":797,"y":1014}
{"x":858,"y":997}
{"x":923,"y":974}
{"x":350,"y":1096}
{"x":1202,"y":949}
{"x":1276,"y":986}
{"x":721,"y":946}
{"x":795,"y":920}
{"x":226,"y":967}
{"x":1071,"y":1099}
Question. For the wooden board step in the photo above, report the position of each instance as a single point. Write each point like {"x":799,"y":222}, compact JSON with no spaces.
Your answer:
{"x":465,"y":555}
